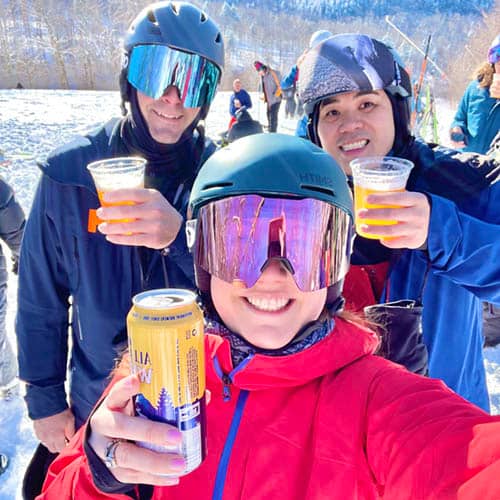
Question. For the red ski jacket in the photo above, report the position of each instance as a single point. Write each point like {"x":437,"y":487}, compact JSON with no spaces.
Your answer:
{"x":330,"y":422}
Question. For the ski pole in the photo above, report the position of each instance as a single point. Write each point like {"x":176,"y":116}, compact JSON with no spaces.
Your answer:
{"x":411,"y":42}
{"x":420,"y":82}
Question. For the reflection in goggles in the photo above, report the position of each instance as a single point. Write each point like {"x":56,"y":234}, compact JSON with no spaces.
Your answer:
{"x":153,"y":68}
{"x":235,"y":238}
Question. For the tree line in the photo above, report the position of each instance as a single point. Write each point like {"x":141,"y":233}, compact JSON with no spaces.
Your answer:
{"x":77,"y":45}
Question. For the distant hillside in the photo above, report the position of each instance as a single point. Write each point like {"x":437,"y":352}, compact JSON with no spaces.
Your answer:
{"x":277,"y":31}
{"x":335,"y":10}
{"x":76,"y":44}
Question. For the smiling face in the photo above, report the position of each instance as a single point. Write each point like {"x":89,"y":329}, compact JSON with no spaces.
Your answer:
{"x":237,"y":85}
{"x":166,"y":117}
{"x":355,"y":125}
{"x":271,"y":313}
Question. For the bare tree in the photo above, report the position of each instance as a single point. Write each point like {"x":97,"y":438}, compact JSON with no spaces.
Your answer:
{"x":80,"y":42}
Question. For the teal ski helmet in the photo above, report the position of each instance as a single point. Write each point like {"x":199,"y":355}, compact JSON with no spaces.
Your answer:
{"x":270,"y":168}
{"x":355,"y":63}
{"x":178,"y":25}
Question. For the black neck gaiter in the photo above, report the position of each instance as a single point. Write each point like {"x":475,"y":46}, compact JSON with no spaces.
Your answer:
{"x":169,"y":165}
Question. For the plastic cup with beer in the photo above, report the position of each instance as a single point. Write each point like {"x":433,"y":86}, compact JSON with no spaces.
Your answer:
{"x":117,"y":173}
{"x":377,"y":174}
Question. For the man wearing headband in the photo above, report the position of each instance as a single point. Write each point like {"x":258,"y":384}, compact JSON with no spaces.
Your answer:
{"x":446,"y":245}
{"x":173,"y":59}
{"x":477,"y":120}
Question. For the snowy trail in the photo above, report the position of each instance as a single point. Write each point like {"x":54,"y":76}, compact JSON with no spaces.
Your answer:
{"x":32,"y":123}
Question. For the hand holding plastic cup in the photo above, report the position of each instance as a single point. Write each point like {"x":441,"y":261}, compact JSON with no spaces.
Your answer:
{"x":377,"y":174}
{"x":117,"y":173}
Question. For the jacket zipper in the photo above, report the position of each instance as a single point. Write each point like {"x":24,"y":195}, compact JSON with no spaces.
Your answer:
{"x":145,"y":277}
{"x":227,"y":380}
{"x":220,"y":477}
{"x":226,"y":389}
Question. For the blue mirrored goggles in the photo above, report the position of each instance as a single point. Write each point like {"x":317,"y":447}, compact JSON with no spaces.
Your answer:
{"x":494,"y":54}
{"x":154,"y":68}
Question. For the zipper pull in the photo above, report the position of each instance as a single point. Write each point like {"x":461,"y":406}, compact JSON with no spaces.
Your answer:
{"x":226,"y":390}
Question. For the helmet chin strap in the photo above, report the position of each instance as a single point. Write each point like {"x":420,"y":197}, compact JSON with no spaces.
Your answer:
{"x":312,"y":125}
{"x":125,"y":89}
{"x":334,"y":300}
{"x":401,"y":118}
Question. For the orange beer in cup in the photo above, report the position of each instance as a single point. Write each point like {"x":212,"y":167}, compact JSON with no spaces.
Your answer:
{"x":117,"y":173}
{"x":377,"y":174}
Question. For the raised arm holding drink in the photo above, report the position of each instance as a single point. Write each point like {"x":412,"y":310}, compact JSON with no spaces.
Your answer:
{"x":374,"y":175}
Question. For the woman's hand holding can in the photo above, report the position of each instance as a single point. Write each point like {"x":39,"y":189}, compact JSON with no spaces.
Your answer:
{"x":114,"y":428}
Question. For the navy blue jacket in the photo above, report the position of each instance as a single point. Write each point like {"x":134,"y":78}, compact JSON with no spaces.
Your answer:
{"x":245,"y":100}
{"x":463,"y":249}
{"x":12,"y":223}
{"x":62,"y":261}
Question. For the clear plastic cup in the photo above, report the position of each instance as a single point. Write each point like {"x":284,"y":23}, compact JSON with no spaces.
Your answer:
{"x":117,"y":173}
{"x":377,"y":174}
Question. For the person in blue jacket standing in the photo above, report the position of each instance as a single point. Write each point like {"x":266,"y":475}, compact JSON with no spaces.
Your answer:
{"x":239,"y":98}
{"x":12,"y":223}
{"x":477,"y":119}
{"x":71,"y":253}
{"x":446,"y":245}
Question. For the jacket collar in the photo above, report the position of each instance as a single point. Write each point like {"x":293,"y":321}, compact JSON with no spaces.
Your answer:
{"x":345,"y":343}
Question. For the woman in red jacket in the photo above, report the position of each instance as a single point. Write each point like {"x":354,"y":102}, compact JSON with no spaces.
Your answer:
{"x":300,"y":407}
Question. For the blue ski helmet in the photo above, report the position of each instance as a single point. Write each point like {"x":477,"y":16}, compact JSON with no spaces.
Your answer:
{"x":178,"y":25}
{"x":354,"y":63}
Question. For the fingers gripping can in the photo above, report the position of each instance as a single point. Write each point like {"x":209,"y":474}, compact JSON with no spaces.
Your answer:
{"x":165,"y":335}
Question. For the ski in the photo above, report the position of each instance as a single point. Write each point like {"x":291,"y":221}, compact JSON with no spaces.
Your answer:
{"x":418,"y":87}
{"x":413,"y":44}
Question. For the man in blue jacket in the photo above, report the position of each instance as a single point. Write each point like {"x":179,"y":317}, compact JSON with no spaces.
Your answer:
{"x":239,"y":98}
{"x":446,"y":245}
{"x":71,"y":255}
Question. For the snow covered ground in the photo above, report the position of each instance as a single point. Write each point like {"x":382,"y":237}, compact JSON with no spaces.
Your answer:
{"x":32,"y":123}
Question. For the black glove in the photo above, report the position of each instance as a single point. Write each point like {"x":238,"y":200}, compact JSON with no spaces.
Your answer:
{"x":15,"y":264}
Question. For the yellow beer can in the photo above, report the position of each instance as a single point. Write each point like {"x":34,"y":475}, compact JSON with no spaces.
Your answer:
{"x":167,"y":350}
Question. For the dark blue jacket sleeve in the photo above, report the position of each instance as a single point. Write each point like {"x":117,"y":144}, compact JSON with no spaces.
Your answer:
{"x":232,"y":107}
{"x":245,"y":99}
{"x":42,"y":316}
{"x":466,"y":249}
{"x":12,"y":218}
{"x":289,"y":79}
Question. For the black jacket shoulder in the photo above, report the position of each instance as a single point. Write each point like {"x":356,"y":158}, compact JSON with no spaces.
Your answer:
{"x":67,"y":164}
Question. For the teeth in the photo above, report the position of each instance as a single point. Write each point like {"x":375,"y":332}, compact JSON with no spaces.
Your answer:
{"x":354,"y":145}
{"x":168,"y":117}
{"x":268,"y":304}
